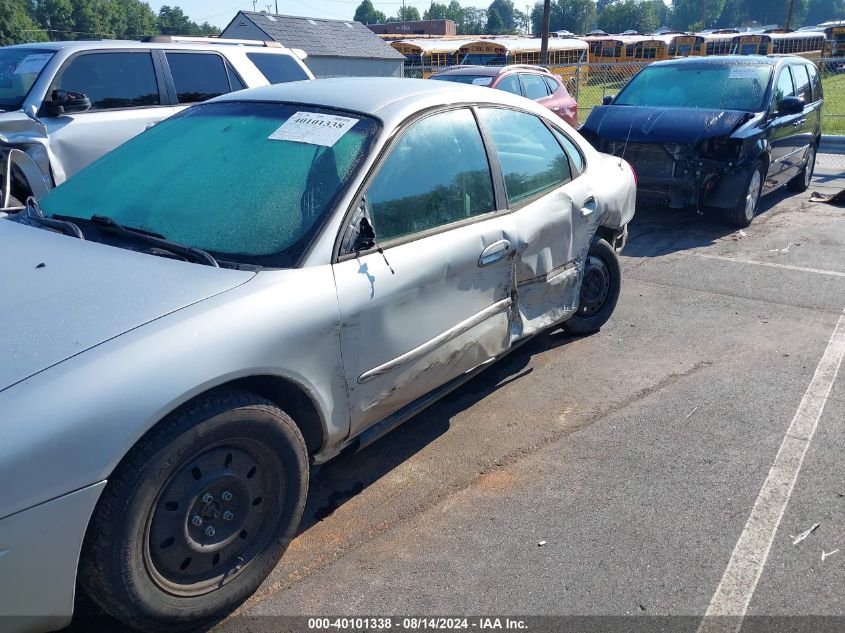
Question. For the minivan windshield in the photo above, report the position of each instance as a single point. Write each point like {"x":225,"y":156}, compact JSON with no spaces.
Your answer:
{"x":19,"y":68}
{"x":249,"y":182}
{"x":689,"y":85}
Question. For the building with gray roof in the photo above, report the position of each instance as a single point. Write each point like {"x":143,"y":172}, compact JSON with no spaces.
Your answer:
{"x":334,"y":48}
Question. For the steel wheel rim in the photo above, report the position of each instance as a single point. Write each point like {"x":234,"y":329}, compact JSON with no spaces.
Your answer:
{"x":810,"y":167}
{"x":752,"y":195}
{"x":595,"y":287}
{"x":231,"y":487}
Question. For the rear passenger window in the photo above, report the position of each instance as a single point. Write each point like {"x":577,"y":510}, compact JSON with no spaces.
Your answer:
{"x":783,"y":87}
{"x":551,"y":84}
{"x":535,"y":87}
{"x":802,"y":83}
{"x":112,"y":80}
{"x":198,"y":76}
{"x":277,"y":68}
{"x":817,"y":85}
{"x":510,"y":84}
{"x":435,"y":175}
{"x":576,"y":159}
{"x":532,"y":160}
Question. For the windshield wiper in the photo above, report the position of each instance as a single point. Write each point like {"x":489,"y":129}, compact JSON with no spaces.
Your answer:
{"x":113,"y":226}
{"x":34,"y":213}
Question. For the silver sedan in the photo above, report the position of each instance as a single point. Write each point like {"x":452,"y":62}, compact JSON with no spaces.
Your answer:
{"x":251,"y":287}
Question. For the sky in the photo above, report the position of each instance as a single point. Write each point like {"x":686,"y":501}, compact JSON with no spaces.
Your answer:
{"x":220,"y":12}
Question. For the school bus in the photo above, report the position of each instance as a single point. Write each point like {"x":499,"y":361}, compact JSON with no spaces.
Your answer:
{"x":717,"y":42}
{"x":682,"y":44}
{"x":427,"y":56}
{"x":628,"y":48}
{"x":564,"y":54}
{"x":834,"y":33}
{"x":779,"y":41}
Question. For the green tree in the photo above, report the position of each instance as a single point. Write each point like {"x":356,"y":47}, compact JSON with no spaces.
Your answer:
{"x":768,"y":12}
{"x":578,"y":16}
{"x":819,"y":11}
{"x":734,"y":13}
{"x":637,"y":15}
{"x":506,"y":12}
{"x":695,"y":14}
{"x":134,"y":18}
{"x":472,"y":21}
{"x":405,"y":14}
{"x":366,"y":13}
{"x":57,"y":17}
{"x":16,"y":24}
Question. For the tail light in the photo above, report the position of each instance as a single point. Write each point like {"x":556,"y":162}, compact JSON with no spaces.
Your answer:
{"x":634,"y":174}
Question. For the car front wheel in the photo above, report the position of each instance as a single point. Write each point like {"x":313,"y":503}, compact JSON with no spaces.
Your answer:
{"x":600,"y":289}
{"x":743,"y":213}
{"x":197,"y":514}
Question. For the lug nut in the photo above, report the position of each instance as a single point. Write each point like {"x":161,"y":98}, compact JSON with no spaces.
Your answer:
{"x":207,"y":498}
{"x":197,"y":520}
{"x":227,"y":496}
{"x":210,"y":531}
{"x":228,"y":516}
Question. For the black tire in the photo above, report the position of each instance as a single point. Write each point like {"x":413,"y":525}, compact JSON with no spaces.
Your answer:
{"x":250,"y":457}
{"x":802,"y":181}
{"x":743,"y":213}
{"x":600,"y":289}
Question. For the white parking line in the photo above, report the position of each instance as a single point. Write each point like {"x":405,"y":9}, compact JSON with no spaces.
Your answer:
{"x":752,"y":549}
{"x":803,"y":269}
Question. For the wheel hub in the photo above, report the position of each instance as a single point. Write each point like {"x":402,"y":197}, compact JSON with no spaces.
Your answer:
{"x":208,"y":520}
{"x":595,"y":286}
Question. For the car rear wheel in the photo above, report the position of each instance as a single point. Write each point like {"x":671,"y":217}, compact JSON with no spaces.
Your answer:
{"x":600,"y":289}
{"x":802,"y":181}
{"x":197,"y":514}
{"x":743,"y":213}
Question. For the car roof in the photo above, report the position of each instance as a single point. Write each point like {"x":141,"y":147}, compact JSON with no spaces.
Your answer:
{"x":87,"y":45}
{"x":492,"y":71}
{"x":732,"y":60}
{"x":390,"y":99}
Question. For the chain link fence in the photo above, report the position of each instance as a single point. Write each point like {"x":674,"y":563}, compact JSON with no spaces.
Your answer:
{"x":589,"y":83}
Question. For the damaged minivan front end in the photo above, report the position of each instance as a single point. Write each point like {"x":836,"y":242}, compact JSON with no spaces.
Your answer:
{"x":683,"y":157}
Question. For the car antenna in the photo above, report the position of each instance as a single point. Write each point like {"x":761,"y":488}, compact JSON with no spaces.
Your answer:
{"x":627,"y":138}
{"x":367,"y":226}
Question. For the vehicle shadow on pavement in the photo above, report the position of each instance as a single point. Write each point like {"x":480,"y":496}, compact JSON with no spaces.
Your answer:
{"x":351,"y":473}
{"x":657,"y":230}
{"x":346,"y":476}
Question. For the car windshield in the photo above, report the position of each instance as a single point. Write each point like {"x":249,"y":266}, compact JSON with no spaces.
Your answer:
{"x":19,"y":68}
{"x":475,"y":80}
{"x":248,"y":182}
{"x":728,"y":87}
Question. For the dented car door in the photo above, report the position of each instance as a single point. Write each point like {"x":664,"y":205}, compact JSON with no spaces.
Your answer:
{"x":429,"y":298}
{"x":555,"y":215}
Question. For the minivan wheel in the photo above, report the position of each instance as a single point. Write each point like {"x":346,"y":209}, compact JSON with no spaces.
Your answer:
{"x":600,"y":289}
{"x":743,"y":213}
{"x":197,"y":514}
{"x":802,"y":181}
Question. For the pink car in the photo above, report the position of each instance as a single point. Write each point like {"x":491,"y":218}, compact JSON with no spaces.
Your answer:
{"x":533,"y":82}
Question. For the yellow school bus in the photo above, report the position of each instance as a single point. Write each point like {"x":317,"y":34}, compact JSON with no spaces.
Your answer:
{"x":717,"y":43}
{"x":628,"y":48}
{"x":808,"y":44}
{"x":427,"y":56}
{"x":834,"y":33}
{"x":682,"y":44}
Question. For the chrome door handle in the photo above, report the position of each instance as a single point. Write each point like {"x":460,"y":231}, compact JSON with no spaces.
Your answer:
{"x":494,"y":252}
{"x":799,"y":123}
{"x":589,"y":206}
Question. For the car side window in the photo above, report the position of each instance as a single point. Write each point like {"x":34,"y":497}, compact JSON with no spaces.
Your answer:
{"x":277,"y":68}
{"x":198,"y":76}
{"x":576,"y":158}
{"x":111,"y":80}
{"x":535,"y":87}
{"x":436,"y":174}
{"x":783,"y":87}
{"x":551,"y":84}
{"x":816,"y":81}
{"x":234,"y":80}
{"x":802,"y":83}
{"x":510,"y":83}
{"x":532,"y":160}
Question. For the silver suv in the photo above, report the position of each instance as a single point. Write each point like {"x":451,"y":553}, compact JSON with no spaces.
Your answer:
{"x":65,"y":104}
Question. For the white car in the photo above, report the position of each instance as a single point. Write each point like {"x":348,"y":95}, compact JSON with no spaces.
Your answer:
{"x":255,"y":285}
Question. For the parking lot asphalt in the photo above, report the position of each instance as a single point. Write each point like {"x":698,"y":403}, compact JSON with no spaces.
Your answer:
{"x":635,"y":456}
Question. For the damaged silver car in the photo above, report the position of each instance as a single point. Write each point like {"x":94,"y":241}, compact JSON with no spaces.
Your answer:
{"x":251,"y":287}
{"x":715,"y":132}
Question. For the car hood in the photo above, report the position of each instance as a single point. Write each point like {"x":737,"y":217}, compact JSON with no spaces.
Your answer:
{"x":17,"y":127}
{"x":640,"y":124}
{"x":60,"y":296}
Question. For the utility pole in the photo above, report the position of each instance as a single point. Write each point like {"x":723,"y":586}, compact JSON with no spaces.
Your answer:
{"x":789,"y":15}
{"x":544,"y":43}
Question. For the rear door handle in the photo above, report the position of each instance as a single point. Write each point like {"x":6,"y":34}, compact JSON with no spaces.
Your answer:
{"x":494,"y":252}
{"x":589,"y":207}
{"x":799,"y":123}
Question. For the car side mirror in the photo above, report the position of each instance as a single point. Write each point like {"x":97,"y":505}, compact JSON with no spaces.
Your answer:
{"x":67,"y":102}
{"x":791,"y":105}
{"x":607,"y":99}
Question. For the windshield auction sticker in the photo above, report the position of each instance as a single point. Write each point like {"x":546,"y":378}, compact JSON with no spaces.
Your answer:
{"x":313,"y":128}
{"x":32,"y":64}
{"x":743,"y":72}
